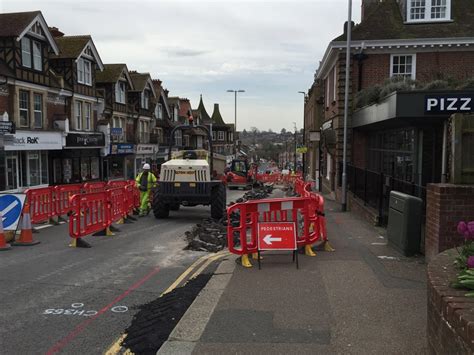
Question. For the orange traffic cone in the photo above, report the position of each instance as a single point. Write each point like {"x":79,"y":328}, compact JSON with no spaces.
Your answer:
{"x":26,"y":235}
{"x":3,"y":243}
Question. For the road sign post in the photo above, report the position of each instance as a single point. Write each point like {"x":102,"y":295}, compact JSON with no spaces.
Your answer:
{"x":277,"y":236}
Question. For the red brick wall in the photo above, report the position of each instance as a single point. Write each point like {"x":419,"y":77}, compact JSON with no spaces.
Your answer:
{"x":450,"y":322}
{"x":446,"y":205}
{"x":429,"y":66}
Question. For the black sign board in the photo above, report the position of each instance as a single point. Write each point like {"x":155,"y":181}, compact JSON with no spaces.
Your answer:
{"x":95,"y":140}
{"x":7,"y":127}
{"x":443,"y":104}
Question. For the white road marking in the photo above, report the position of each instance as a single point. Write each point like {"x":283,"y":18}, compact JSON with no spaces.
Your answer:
{"x":384,"y":257}
{"x":44,"y":226}
{"x":378,"y":243}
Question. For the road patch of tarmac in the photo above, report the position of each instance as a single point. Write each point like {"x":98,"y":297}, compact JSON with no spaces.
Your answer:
{"x":155,"y":320}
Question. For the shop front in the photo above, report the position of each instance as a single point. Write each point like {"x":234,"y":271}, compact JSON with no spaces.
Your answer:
{"x":25,"y":160}
{"x":403,"y":136}
{"x":120,"y":162}
{"x":146,"y":153}
{"x":80,"y":160}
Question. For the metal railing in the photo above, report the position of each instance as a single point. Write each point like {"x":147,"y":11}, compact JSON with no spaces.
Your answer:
{"x":374,"y":188}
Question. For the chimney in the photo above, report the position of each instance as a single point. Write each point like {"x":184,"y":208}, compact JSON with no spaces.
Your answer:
{"x":55,"y":32}
{"x":365,"y":6}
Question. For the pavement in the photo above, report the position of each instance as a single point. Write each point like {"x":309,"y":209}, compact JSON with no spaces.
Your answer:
{"x":364,"y":298}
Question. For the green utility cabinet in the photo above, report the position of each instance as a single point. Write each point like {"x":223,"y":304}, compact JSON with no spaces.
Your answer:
{"x":404,"y":222}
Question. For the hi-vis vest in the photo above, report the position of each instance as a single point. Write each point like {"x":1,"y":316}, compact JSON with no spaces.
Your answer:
{"x":151,"y":179}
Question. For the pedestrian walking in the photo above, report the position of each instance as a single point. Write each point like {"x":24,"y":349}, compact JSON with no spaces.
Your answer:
{"x":145,"y":181}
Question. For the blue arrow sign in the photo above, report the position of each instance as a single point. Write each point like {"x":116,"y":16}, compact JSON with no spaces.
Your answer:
{"x":11,"y":207}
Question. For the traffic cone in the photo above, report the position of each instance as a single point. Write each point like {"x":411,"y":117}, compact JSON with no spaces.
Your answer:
{"x":26,"y":235}
{"x":3,"y":243}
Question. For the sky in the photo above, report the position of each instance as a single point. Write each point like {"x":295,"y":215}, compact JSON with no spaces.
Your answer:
{"x":269,"y":48}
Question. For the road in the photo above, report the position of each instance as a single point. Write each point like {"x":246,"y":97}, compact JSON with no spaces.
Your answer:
{"x":56,"y":299}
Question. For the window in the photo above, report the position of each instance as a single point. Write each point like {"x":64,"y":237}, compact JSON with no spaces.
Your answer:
{"x":428,"y":10}
{"x":159,"y":111}
{"x":403,"y":65}
{"x":213,"y":135}
{"x":186,"y":140}
{"x":120,"y":92}
{"x":145,"y":99}
{"x":37,"y":60}
{"x":87,"y":115}
{"x":84,"y":73}
{"x":175,"y":115}
{"x":178,"y":138}
{"x":26,"y":52}
{"x":78,"y":115}
{"x":38,"y":110}
{"x":220,"y":135}
{"x":24,"y":104}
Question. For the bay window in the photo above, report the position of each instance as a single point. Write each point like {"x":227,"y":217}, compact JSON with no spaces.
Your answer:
{"x":38,"y":110}
{"x":145,"y":99}
{"x":78,"y":115}
{"x":37,"y":60}
{"x":220,"y":135}
{"x":87,"y":115}
{"x":24,"y":106}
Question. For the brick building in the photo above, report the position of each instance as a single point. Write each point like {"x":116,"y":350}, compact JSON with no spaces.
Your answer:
{"x":412,"y":66}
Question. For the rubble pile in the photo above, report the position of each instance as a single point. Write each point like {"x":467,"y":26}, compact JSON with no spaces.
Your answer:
{"x":210,"y":235}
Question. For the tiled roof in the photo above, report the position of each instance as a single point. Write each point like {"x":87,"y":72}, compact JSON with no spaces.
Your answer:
{"x":384,"y":20}
{"x":217,"y":117}
{"x":71,"y":46}
{"x":139,"y":80}
{"x":111,"y":73}
{"x":14,"y":23}
{"x":201,"y":110}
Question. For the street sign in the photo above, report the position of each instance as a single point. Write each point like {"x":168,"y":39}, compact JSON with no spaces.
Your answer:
{"x":11,"y":206}
{"x":277,"y":236}
{"x":7,"y":127}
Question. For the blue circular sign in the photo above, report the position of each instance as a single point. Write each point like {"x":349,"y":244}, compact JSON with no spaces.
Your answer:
{"x":11,"y":207}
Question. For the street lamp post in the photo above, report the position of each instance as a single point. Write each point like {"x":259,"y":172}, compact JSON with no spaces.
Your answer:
{"x":235,"y":119}
{"x":346,"y":107}
{"x":304,"y":133}
{"x":296,"y":147}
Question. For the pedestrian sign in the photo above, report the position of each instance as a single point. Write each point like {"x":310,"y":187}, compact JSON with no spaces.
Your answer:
{"x":277,"y":236}
{"x":11,"y":206}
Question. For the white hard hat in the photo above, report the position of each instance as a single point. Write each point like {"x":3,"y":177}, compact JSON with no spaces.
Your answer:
{"x":146,"y":166}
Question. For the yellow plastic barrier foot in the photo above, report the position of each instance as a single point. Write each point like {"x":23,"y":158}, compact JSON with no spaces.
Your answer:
{"x":328,"y":247}
{"x":255,"y":256}
{"x":308,"y":250}
{"x":79,"y":243}
{"x":121,"y":221}
{"x":244,"y":259}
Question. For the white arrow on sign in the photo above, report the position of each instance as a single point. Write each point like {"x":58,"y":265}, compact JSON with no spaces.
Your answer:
{"x":8,"y":209}
{"x":269,"y":239}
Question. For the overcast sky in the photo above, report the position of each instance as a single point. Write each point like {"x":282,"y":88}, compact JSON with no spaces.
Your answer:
{"x":270,"y":49}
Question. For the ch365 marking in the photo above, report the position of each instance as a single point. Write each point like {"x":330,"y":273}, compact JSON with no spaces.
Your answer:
{"x":76,"y":311}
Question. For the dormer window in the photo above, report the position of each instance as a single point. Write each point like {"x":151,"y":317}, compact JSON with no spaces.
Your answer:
{"x":428,"y":10}
{"x":120,"y":92}
{"x":84,"y":72}
{"x":159,"y":111}
{"x":145,"y":99}
{"x":31,"y":54}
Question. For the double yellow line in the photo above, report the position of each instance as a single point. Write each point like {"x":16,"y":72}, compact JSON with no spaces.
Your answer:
{"x":199,"y":266}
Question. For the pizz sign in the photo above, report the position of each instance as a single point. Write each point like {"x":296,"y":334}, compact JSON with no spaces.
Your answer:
{"x":448,"y":104}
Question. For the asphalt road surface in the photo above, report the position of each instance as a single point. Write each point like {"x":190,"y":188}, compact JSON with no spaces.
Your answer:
{"x":56,"y":299}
